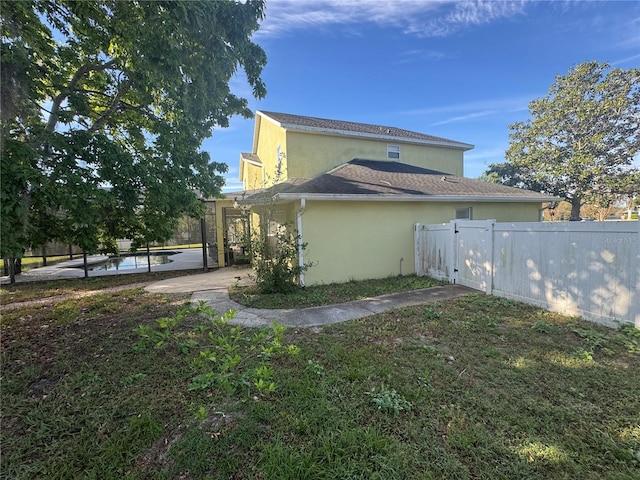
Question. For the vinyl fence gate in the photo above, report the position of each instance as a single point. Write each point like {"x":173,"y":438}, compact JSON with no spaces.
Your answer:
{"x":591,"y":269}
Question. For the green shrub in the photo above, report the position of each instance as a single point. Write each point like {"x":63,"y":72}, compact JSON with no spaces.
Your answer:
{"x":275,"y":261}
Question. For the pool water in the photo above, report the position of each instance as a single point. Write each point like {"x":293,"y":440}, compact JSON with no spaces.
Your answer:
{"x":132,"y":262}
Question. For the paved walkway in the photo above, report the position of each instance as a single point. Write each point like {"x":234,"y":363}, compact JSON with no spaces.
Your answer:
{"x":220,"y":279}
{"x":212,"y":288}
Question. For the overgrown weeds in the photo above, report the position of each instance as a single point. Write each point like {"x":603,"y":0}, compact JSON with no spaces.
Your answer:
{"x":227,"y":358}
{"x":314,"y":295}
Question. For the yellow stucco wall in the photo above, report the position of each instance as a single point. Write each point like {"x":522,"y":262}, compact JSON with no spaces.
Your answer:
{"x":251,"y":176}
{"x":283,"y":213}
{"x":270,"y":136}
{"x":310,"y":155}
{"x":360,"y":240}
{"x":502,"y":212}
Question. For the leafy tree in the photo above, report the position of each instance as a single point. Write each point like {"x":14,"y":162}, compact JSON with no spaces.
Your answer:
{"x":105,"y":105}
{"x":581,"y":140}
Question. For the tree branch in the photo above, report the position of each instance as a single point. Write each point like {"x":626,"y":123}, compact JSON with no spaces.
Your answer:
{"x":135,"y":108}
{"x":94,"y":92}
{"x":111,"y":109}
{"x":57,"y":101}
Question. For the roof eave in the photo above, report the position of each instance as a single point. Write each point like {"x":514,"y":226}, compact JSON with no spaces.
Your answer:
{"x":387,"y":138}
{"x":347,"y":133}
{"x":413,"y":198}
{"x":252,"y":162}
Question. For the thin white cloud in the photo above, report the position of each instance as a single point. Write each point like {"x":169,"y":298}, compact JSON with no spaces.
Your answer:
{"x":461,"y":112}
{"x":486,"y":156}
{"x":418,"y":17}
{"x":498,"y":105}
{"x":462,"y":118}
{"x":628,"y":33}
{"x":412,"y":56}
{"x":465,"y":14}
{"x":625,"y":60}
{"x":632,"y":41}
{"x":478,"y":161}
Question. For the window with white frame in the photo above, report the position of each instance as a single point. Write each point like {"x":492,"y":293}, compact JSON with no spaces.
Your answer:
{"x":463,"y":213}
{"x":393,"y":151}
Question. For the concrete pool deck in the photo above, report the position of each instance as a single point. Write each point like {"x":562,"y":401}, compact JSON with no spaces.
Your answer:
{"x":184,"y":259}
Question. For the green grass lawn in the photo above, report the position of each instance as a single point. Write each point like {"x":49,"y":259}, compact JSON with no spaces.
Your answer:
{"x":29,"y":263}
{"x":472,"y":388}
{"x":22,"y":292}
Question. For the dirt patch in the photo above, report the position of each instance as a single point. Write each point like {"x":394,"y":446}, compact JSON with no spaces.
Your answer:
{"x":157,"y":458}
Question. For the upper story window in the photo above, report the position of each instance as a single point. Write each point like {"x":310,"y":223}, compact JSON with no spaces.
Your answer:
{"x":393,"y":152}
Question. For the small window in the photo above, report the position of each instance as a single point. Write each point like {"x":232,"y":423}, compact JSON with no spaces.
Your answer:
{"x":393,"y":151}
{"x":463,"y":213}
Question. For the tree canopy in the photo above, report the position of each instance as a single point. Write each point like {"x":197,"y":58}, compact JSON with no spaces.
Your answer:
{"x":105,"y":105}
{"x":582,"y":138}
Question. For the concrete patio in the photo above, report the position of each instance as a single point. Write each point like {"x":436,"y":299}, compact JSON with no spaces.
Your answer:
{"x":184,"y":259}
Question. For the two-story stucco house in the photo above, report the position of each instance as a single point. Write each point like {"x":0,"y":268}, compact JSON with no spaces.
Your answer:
{"x":354,"y":191}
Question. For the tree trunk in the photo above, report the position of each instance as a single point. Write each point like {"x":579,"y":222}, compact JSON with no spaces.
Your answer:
{"x":576,"y":203}
{"x":84,"y":264}
{"x":12,"y":270}
{"x":11,"y":267}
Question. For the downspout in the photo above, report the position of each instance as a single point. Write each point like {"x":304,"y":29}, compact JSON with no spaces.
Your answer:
{"x":300,"y":242}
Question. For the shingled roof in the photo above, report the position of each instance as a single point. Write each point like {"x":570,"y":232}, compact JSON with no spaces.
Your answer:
{"x":387,"y":180}
{"x":341,"y":127}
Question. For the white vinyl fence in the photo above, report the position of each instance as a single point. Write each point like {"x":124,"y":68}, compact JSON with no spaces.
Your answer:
{"x":590,"y":269}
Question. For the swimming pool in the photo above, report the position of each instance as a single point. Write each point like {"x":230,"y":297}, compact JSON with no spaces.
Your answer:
{"x":133,"y":261}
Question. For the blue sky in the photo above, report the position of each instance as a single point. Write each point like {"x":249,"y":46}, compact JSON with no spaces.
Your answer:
{"x":460,"y":70}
